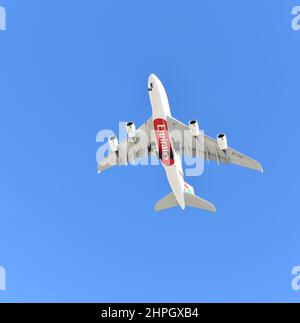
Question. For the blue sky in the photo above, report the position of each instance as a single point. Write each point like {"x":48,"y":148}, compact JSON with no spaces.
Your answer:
{"x":69,"y":70}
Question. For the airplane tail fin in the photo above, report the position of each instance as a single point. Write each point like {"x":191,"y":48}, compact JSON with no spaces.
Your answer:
{"x":191,"y":200}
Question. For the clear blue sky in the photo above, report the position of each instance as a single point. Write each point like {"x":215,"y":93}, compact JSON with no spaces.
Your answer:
{"x":69,"y":69}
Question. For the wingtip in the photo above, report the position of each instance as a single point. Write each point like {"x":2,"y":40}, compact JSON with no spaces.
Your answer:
{"x":213,"y":209}
{"x":258,"y":167}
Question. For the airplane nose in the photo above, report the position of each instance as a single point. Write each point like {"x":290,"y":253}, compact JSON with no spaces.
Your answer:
{"x":153,"y":81}
{"x":152,"y":77}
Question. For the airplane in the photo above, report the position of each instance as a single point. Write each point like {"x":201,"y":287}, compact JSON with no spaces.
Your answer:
{"x":154,"y":137}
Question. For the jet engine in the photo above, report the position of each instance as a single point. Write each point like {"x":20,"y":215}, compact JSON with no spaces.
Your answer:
{"x":194,"y":128}
{"x":222,"y":141}
{"x":130,"y":129}
{"x":113,"y":143}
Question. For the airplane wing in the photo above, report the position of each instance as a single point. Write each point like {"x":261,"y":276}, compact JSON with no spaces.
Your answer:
{"x":204,"y":146}
{"x":130,"y":150}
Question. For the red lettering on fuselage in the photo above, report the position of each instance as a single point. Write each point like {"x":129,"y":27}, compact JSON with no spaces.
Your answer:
{"x":163,"y":141}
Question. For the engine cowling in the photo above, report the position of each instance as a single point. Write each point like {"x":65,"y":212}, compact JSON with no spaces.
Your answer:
{"x":194,"y":128}
{"x":113,"y":143}
{"x":130,"y":129}
{"x":222,"y":141}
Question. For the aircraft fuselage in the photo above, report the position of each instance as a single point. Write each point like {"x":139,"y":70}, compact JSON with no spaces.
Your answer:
{"x":167,"y":155}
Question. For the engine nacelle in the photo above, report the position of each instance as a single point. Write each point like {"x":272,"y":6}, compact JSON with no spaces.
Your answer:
{"x":222,"y":141}
{"x":113,"y":143}
{"x":194,"y":128}
{"x":130,"y":129}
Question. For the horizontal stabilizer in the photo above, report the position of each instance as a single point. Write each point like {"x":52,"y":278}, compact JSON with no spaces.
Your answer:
{"x":191,"y":200}
{"x":166,"y":202}
{"x":198,"y":202}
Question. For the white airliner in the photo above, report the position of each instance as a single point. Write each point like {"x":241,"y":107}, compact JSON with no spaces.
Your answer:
{"x":155,"y":137}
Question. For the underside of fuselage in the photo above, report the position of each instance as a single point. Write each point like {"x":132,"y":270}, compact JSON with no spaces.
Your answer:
{"x":170,"y":161}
